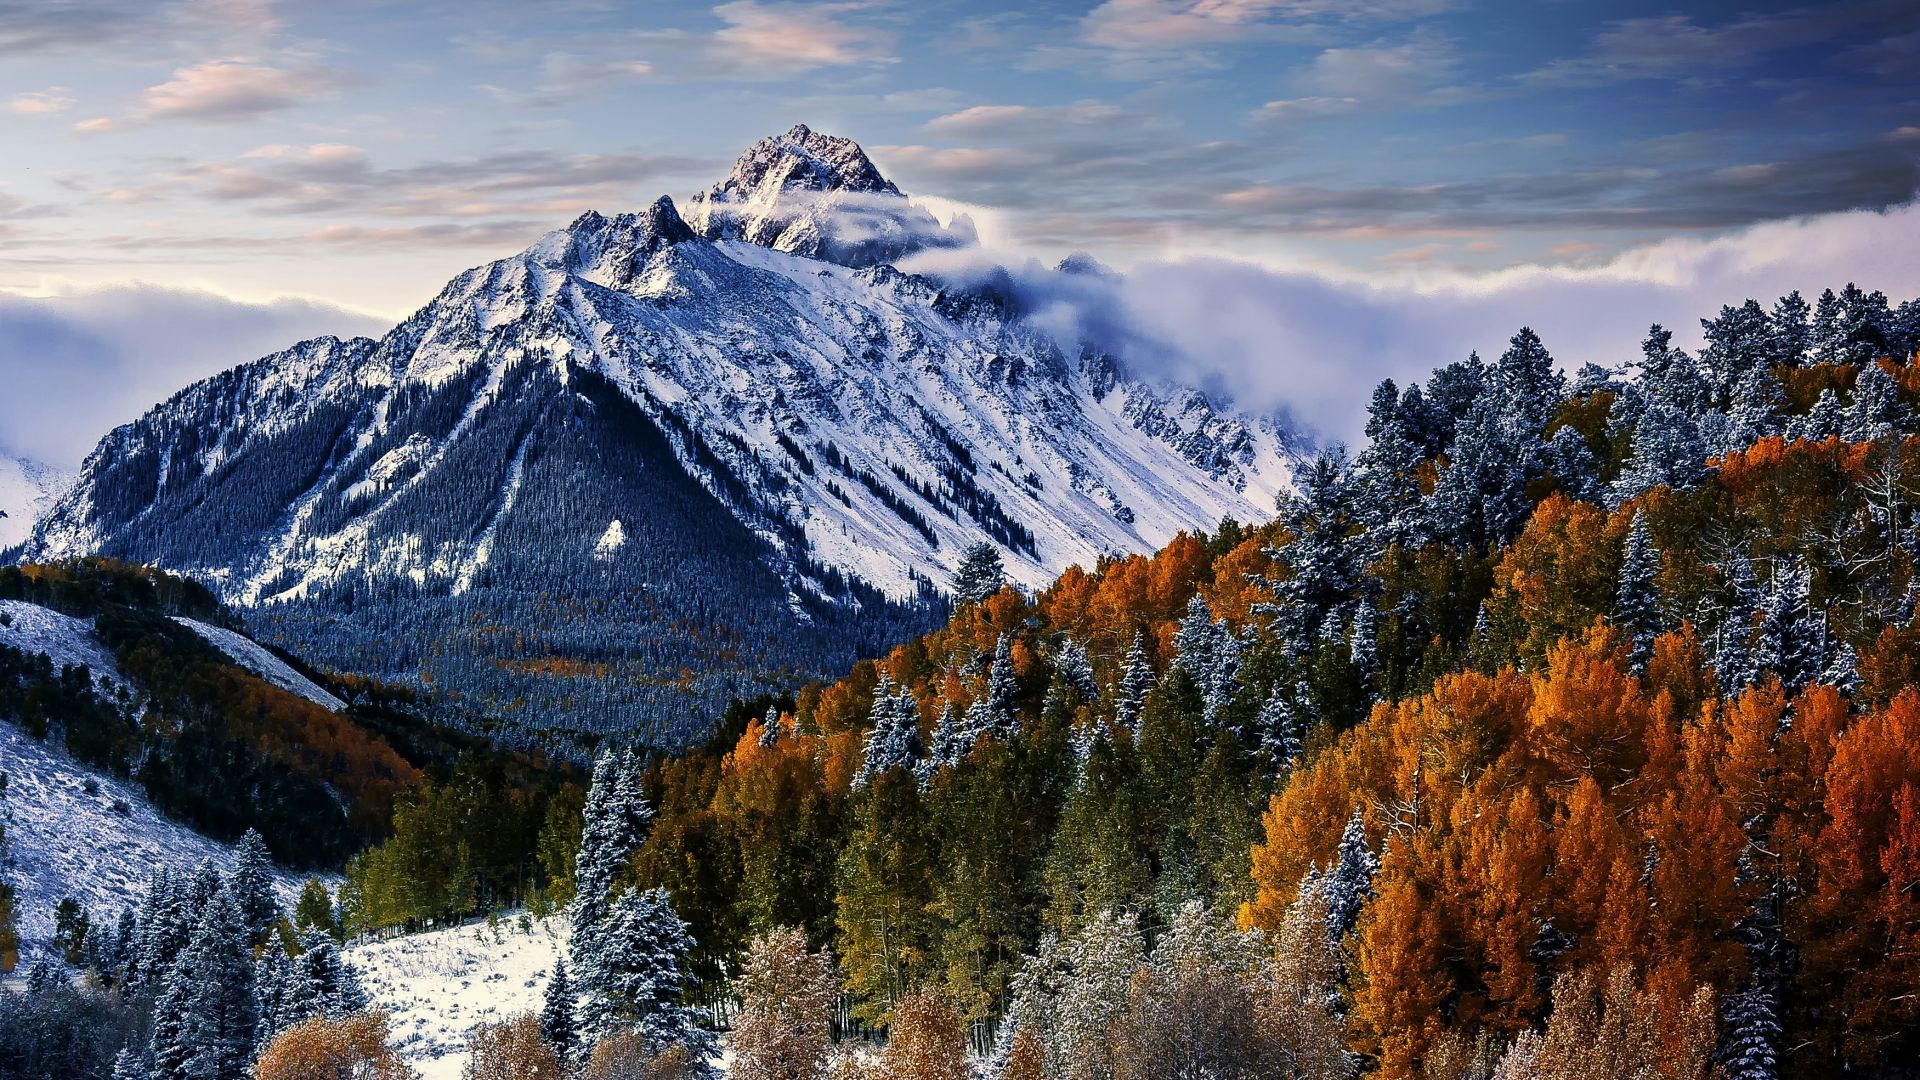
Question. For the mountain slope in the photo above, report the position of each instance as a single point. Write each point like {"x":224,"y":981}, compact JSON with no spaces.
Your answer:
{"x":27,"y":490}
{"x":639,"y":466}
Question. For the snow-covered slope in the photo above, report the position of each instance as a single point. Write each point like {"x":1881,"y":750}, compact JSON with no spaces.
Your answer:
{"x":437,"y":986}
{"x":67,"y":641}
{"x":27,"y":489}
{"x":249,"y":654}
{"x":75,"y":832}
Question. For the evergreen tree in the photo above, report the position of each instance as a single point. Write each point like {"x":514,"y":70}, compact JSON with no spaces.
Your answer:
{"x":321,"y":980}
{"x":893,"y":740}
{"x":1071,"y":664}
{"x":952,"y":741}
{"x":635,"y":980}
{"x":1790,"y":334}
{"x":127,"y":1066}
{"x":1825,"y":333}
{"x":315,"y":909}
{"x":252,"y":886}
{"x":1740,"y":340}
{"x":1136,"y":681}
{"x":1736,"y":661}
{"x":1875,"y":410}
{"x":1280,"y":730}
{"x":1363,"y":646}
{"x":980,"y":575}
{"x":1637,"y":604}
{"x":1571,"y":462}
{"x":1752,"y":1034}
{"x":613,"y":826}
{"x":205,"y":1016}
{"x":1003,"y":720}
{"x":1350,"y":885}
{"x":1322,"y":557}
{"x":1667,"y":450}
{"x":1825,"y":419}
{"x":1391,"y":507}
{"x":770,"y":728}
{"x":556,"y":1012}
{"x":1208,"y":651}
{"x":271,"y":977}
{"x":1755,"y":411}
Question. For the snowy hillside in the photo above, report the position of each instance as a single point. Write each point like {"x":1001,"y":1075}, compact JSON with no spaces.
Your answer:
{"x":64,"y":639}
{"x":249,"y":654}
{"x":27,"y":489}
{"x":75,"y":832}
{"x":438,"y":985}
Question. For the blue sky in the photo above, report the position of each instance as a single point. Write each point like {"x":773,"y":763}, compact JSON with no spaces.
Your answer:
{"x":358,"y":153}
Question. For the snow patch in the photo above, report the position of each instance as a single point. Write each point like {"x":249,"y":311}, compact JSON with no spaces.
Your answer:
{"x":65,"y":640}
{"x":610,"y":541}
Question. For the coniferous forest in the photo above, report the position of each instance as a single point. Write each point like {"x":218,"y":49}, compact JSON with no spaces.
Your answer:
{"x":1568,"y":729}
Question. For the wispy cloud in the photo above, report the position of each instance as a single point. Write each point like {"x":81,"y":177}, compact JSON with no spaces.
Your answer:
{"x":1164,"y":24}
{"x":234,"y":89}
{"x":40,"y":102}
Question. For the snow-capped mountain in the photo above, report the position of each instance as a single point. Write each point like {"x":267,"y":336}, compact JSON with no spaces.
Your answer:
{"x":734,"y":430}
{"x":27,"y":489}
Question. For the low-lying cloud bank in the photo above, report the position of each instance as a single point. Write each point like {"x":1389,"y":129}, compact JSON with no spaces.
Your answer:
{"x":1310,"y":345}
{"x":77,"y":363}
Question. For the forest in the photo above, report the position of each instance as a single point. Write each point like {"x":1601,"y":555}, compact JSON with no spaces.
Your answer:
{"x":1566,"y":730}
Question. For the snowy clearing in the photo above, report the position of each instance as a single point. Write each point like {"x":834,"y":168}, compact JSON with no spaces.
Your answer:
{"x":437,"y":986}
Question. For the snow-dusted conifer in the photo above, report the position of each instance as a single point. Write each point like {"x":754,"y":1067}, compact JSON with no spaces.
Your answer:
{"x":1280,"y":729}
{"x":980,"y":575}
{"x":205,"y":1018}
{"x":1350,"y":883}
{"x":1363,"y":645}
{"x":952,"y":742}
{"x":1136,"y":681}
{"x":1826,"y":418}
{"x":613,"y":826}
{"x":1736,"y":662}
{"x":556,"y":1012}
{"x":1637,"y":603}
{"x":1749,"y":1047}
{"x":1571,"y":462}
{"x":252,"y":886}
{"x":127,"y":1066}
{"x":770,"y":728}
{"x":1070,"y":662}
{"x":1875,"y":410}
{"x":1667,"y":449}
{"x":635,"y":979}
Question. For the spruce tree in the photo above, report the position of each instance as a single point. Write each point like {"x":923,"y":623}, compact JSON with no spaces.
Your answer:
{"x":1637,"y":603}
{"x":556,"y":1012}
{"x":1136,"y":681}
{"x":205,"y":1018}
{"x":770,"y":728}
{"x":1363,"y":646}
{"x":1071,"y":664}
{"x":612,"y":830}
{"x":1736,"y":662}
{"x":980,"y":575}
{"x":1667,"y":450}
{"x":127,"y":1066}
{"x":1875,"y":410}
{"x":1350,"y":884}
{"x":1571,"y":462}
{"x":1280,"y":734}
{"x":252,"y":886}
{"x":1790,"y":334}
{"x":1825,"y":419}
{"x":635,"y":979}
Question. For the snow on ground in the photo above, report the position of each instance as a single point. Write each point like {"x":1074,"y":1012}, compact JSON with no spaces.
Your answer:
{"x":27,"y":490}
{"x":65,"y":639}
{"x":437,"y":986}
{"x":248,"y":654}
{"x":65,"y":839}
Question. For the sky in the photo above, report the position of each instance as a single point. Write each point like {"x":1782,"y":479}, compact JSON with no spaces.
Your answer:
{"x":1366,"y":185}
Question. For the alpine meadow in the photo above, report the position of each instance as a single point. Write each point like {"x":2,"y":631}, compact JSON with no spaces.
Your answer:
{"x":1221,"y":540}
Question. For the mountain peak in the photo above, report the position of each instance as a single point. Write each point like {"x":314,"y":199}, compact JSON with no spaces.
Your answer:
{"x":820,"y":196}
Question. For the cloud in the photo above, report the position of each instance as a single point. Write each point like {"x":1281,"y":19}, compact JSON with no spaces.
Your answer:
{"x":1293,"y":110}
{"x":1680,"y":48}
{"x":1171,"y":24}
{"x":78,"y":363}
{"x":39,"y":102}
{"x":1309,"y":345}
{"x":1373,"y":72}
{"x":569,"y":76}
{"x":334,"y":177}
{"x":794,"y":37}
{"x":1029,"y":121}
{"x":234,"y":90}
{"x":36,"y":28}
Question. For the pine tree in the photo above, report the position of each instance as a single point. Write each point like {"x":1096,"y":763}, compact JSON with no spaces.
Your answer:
{"x":126,"y":1065}
{"x":1071,"y":664}
{"x":613,"y":827}
{"x":1790,"y":335}
{"x":1000,"y":715}
{"x":1209,"y":652}
{"x":252,"y":886}
{"x":205,"y":1017}
{"x":893,"y":739}
{"x":556,"y":1012}
{"x":980,"y":575}
{"x":1875,"y":410}
{"x":1752,"y":1033}
{"x":1363,"y":646}
{"x":952,"y":742}
{"x":1736,"y":661}
{"x":322,"y":980}
{"x":272,"y":971}
{"x":1392,"y":508}
{"x":1637,"y":604}
{"x":1825,"y":419}
{"x":1755,"y":411}
{"x":1280,"y":729}
{"x":1136,"y":681}
{"x":635,"y":980}
{"x":1571,"y":462}
{"x":1322,"y":557}
{"x":1825,"y":333}
{"x":1350,"y":885}
{"x":1667,"y":450}
{"x":770,"y":728}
